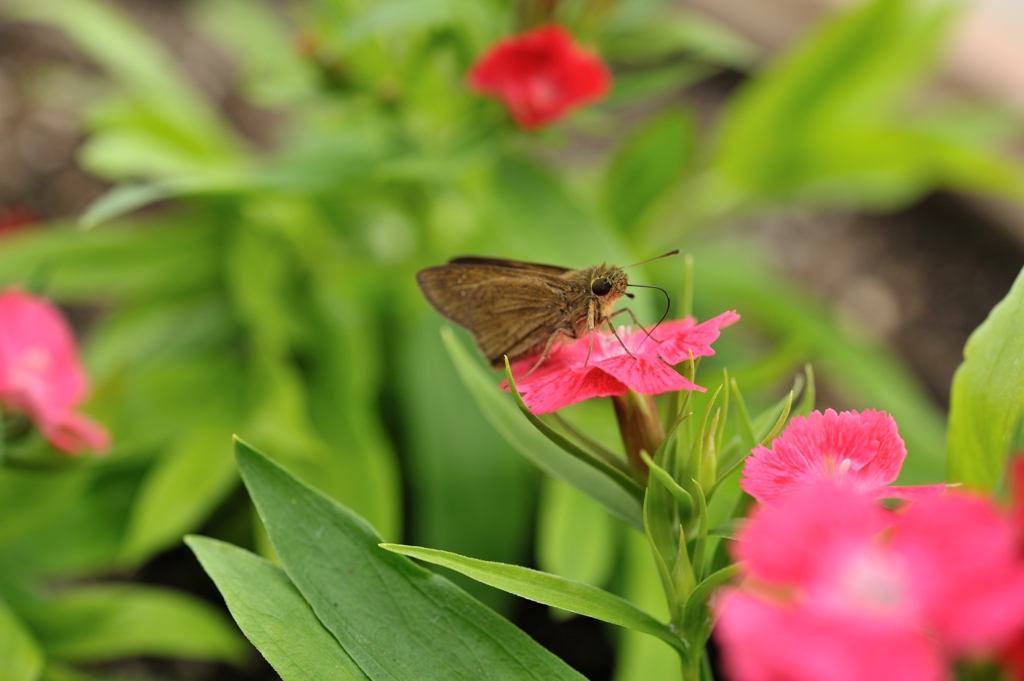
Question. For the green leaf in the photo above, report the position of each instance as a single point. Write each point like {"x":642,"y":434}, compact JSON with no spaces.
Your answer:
{"x":576,"y":538}
{"x":97,"y":623}
{"x":826,"y":123}
{"x":987,"y":397}
{"x":182,"y":488}
{"x":698,"y":624}
{"x":20,"y":656}
{"x":743,"y":424}
{"x":395,"y":619}
{"x":509,"y":421}
{"x":806,"y":405}
{"x":273,"y":614}
{"x":648,"y":166}
{"x":607,"y":466}
{"x":865,"y":375}
{"x":460,"y":469}
{"x":548,"y":589}
{"x":640,"y":657}
{"x":22,"y":495}
{"x":683,"y":497}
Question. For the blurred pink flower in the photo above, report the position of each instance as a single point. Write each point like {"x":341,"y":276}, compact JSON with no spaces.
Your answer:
{"x":862,"y":450}
{"x":567,"y":377}
{"x":41,"y":375}
{"x":838,"y":588}
{"x":540,"y":75}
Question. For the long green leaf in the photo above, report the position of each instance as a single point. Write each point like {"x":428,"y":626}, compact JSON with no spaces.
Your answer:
{"x":107,"y":622}
{"x":548,"y":589}
{"x":606,"y":466}
{"x":20,"y":656}
{"x":507,"y":420}
{"x":395,"y":619}
{"x":987,"y":398}
{"x":273,"y":614}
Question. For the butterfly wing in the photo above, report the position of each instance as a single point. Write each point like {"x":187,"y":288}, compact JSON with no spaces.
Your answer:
{"x":517,"y":321}
{"x":550,"y":270}
{"x":510,"y":311}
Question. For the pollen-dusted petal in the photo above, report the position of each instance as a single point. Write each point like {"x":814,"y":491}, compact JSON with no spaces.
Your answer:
{"x":764,"y":641}
{"x":681,"y":338}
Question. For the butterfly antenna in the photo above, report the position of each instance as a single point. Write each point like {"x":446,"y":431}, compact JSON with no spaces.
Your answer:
{"x":668,"y":304}
{"x":644,"y":262}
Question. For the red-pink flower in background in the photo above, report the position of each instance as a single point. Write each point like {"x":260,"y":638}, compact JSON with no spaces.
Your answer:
{"x":16,"y":218}
{"x":567,"y":376}
{"x":838,"y":588}
{"x":540,"y":75}
{"x":41,"y":375}
{"x":863,"y":450}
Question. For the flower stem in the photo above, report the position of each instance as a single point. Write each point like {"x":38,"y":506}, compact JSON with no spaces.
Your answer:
{"x":640,"y":426}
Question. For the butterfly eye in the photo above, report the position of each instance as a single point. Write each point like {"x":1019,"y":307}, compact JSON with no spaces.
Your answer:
{"x":601,"y":287}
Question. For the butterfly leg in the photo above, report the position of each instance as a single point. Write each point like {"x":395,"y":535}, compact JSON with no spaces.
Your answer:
{"x":590,"y":327}
{"x":635,"y":321}
{"x":544,"y":355}
{"x":616,"y":334}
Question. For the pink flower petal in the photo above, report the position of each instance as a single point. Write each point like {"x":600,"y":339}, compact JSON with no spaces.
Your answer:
{"x":40,"y":371}
{"x":552,"y":391}
{"x":800,"y":541}
{"x":679,"y":339}
{"x":74,"y":433}
{"x":600,"y":367}
{"x":860,"y":449}
{"x":646,"y":375}
{"x":967,"y":576}
{"x":762,"y":641}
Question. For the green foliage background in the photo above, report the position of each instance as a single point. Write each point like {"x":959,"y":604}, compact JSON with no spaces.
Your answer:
{"x":271,"y":294}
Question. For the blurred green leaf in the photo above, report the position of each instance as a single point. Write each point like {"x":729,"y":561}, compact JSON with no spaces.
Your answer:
{"x":460,"y":469}
{"x":161,"y":125}
{"x":184,"y":486}
{"x":576,"y":538}
{"x":20,"y":656}
{"x":124,"y":263}
{"x":273,"y":614}
{"x":647,"y":166}
{"x":826,"y":125}
{"x":94,"y":623}
{"x":641,"y":657}
{"x":378,"y":605}
{"x":647,"y":30}
{"x":29,"y":499}
{"x":274,"y":74}
{"x":503,"y":415}
{"x":85,"y":535}
{"x":548,"y":589}
{"x":987,"y":398}
{"x":865,"y":375}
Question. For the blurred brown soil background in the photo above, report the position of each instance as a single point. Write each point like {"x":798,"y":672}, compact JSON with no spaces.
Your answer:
{"x":921,"y":279}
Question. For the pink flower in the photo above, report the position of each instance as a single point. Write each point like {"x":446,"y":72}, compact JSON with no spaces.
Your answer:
{"x":540,"y":75}
{"x":567,"y":377}
{"x":41,"y":375}
{"x":839,"y":588}
{"x":862,"y":450}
